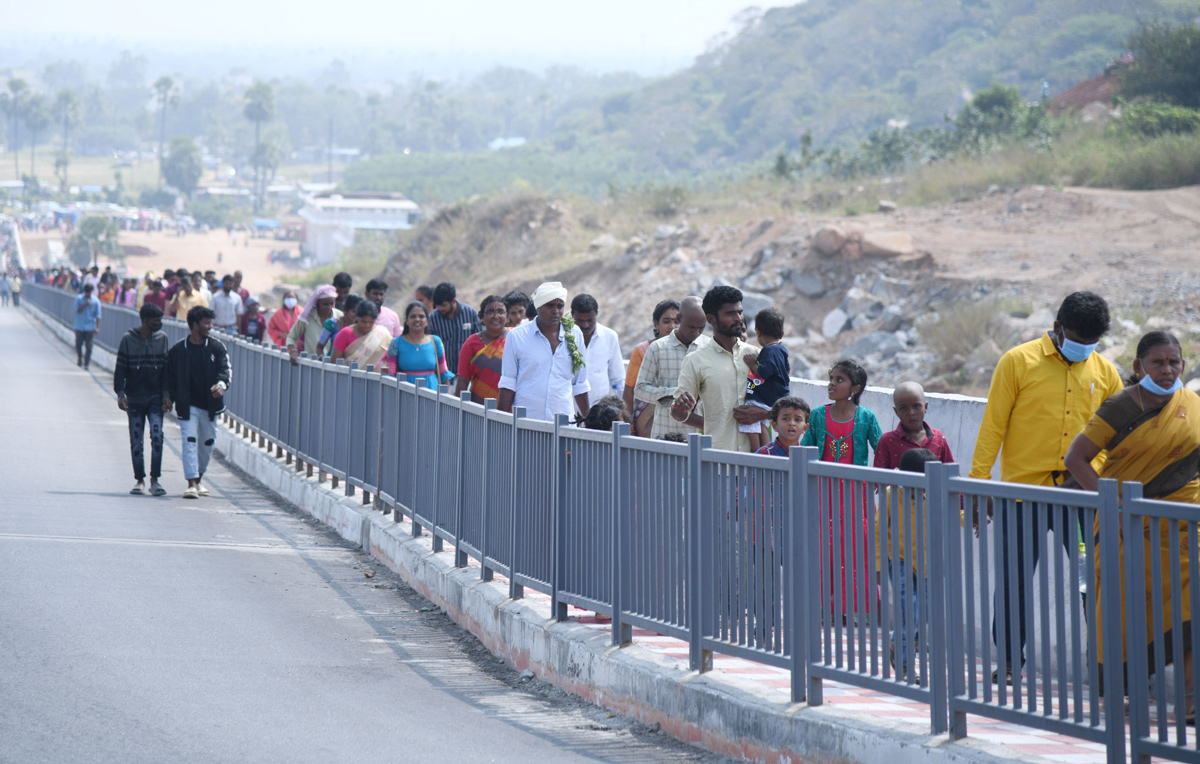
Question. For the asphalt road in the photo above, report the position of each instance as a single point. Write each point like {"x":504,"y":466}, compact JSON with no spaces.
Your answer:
{"x":141,"y":629}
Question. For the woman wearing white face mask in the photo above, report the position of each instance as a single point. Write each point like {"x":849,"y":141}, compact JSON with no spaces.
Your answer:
{"x":282,"y":319}
{"x":1150,"y":435}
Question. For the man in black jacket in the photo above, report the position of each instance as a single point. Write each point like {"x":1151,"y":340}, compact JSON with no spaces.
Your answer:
{"x":140,"y":381}
{"x":198,"y":374}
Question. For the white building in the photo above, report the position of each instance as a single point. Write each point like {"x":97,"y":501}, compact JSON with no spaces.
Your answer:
{"x":331,"y":220}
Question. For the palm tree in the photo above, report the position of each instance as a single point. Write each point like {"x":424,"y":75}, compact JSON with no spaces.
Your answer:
{"x":67,"y":111}
{"x":13,"y":104}
{"x":37,"y":119}
{"x":259,"y":108}
{"x":166,"y":94}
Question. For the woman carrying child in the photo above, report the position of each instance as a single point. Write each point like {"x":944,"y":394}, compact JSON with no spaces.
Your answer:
{"x":844,"y":430}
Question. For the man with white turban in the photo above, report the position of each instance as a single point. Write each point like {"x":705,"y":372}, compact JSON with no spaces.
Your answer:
{"x":543,"y":367}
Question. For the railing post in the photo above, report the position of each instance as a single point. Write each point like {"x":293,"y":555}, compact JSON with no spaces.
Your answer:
{"x":460,"y":556}
{"x":515,"y":590}
{"x":621,"y":634}
{"x":944,"y":566}
{"x":795,"y":598}
{"x":351,"y":368}
{"x":1111,"y":626}
{"x":810,"y":532}
{"x":416,"y":481}
{"x":954,"y":664}
{"x":699,"y":659}
{"x":435,"y":510}
{"x":485,"y":573}
{"x":558,"y":529}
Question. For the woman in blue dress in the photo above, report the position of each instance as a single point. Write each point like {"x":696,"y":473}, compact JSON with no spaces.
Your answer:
{"x":416,"y":353}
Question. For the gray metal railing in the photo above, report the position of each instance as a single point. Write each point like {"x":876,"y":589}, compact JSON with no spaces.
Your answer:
{"x":792,"y":562}
{"x":1156,"y":588}
{"x":1044,"y":630}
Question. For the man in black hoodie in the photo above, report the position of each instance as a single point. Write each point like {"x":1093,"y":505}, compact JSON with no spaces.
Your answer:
{"x":198,"y":374}
{"x":140,"y":381}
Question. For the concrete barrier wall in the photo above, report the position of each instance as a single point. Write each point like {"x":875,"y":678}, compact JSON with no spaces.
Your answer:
{"x":957,"y":416}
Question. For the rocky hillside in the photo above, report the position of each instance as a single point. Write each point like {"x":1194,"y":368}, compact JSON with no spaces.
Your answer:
{"x":933,"y":293}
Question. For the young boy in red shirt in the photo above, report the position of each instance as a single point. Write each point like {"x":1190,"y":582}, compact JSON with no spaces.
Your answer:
{"x":908,"y":401}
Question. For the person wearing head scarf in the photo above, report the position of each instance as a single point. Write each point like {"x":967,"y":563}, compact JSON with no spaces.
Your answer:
{"x":307,"y":329}
{"x":543,"y":369}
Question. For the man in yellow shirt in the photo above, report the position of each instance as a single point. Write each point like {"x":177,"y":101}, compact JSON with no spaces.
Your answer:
{"x":189,"y":296}
{"x":1042,"y":394}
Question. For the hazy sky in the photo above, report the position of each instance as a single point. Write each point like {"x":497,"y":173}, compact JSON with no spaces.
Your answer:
{"x":650,"y":37}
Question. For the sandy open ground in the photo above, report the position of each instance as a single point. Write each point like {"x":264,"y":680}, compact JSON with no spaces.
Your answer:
{"x":196,"y":251}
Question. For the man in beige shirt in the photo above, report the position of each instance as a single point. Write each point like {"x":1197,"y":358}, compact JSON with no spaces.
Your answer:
{"x":189,"y":296}
{"x":659,"y":376}
{"x":715,"y":375}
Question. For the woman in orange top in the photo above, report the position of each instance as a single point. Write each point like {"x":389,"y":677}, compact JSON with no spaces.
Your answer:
{"x":666,"y":319}
{"x":282,"y":319}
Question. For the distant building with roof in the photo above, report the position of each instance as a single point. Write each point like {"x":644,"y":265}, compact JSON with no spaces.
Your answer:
{"x":332,"y":219}
{"x":1100,"y":89}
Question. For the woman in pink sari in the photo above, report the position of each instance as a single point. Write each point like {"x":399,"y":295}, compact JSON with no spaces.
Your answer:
{"x":363,"y":342}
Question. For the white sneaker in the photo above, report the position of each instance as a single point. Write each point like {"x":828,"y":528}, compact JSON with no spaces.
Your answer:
{"x":200,"y":489}
{"x":191,"y":493}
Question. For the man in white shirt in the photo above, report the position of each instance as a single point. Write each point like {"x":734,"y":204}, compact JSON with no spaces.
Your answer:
{"x":227,"y":305}
{"x":602,"y":349}
{"x":543,"y":367}
{"x":93,"y":278}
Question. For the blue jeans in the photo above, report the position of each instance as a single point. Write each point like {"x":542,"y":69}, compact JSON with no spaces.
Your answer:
{"x":199,"y":433}
{"x":903,"y":579}
{"x":139,"y":414}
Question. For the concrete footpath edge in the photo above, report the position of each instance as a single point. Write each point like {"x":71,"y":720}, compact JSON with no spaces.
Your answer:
{"x":718,"y":712}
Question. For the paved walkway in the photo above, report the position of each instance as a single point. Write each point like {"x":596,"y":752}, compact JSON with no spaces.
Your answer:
{"x":140,"y":629}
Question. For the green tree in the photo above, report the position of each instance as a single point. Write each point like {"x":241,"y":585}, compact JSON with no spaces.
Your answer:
{"x":37,"y":119}
{"x":266,"y":157}
{"x":184,"y":166}
{"x":166,"y":95}
{"x":13,"y":105}
{"x":67,"y":112}
{"x":259,"y":108}
{"x":1166,"y":64}
{"x":96,"y":236}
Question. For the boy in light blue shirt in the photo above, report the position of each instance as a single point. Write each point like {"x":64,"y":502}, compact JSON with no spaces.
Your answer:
{"x":87,"y":323}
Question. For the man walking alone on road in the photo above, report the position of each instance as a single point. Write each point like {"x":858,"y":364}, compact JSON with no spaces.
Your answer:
{"x":87,"y":323}
{"x":198,"y":374}
{"x":140,"y":382}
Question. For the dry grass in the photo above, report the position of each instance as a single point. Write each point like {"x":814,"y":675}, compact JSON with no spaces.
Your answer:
{"x":967,"y":329}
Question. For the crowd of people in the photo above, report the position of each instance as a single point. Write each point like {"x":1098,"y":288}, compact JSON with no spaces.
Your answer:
{"x":1057,"y":414}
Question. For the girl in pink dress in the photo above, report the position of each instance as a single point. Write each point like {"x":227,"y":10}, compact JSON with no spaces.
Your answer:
{"x":843,"y":431}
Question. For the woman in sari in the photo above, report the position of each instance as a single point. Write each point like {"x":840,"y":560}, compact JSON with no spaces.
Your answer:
{"x":335,"y":325}
{"x":1149,"y":434}
{"x":479,"y":360}
{"x":416,"y":353}
{"x":303,"y":335}
{"x":363,"y":342}
{"x":666,"y":319}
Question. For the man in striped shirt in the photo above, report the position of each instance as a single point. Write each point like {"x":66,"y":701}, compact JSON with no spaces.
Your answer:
{"x":658,"y":379}
{"x":453,"y":322}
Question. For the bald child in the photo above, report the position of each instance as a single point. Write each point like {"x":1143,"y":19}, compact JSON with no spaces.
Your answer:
{"x":908,"y":401}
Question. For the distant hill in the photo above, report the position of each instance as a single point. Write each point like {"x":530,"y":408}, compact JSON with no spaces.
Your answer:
{"x":843,"y":67}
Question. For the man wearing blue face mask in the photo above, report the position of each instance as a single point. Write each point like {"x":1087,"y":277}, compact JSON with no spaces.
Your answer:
{"x":1042,"y":395}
